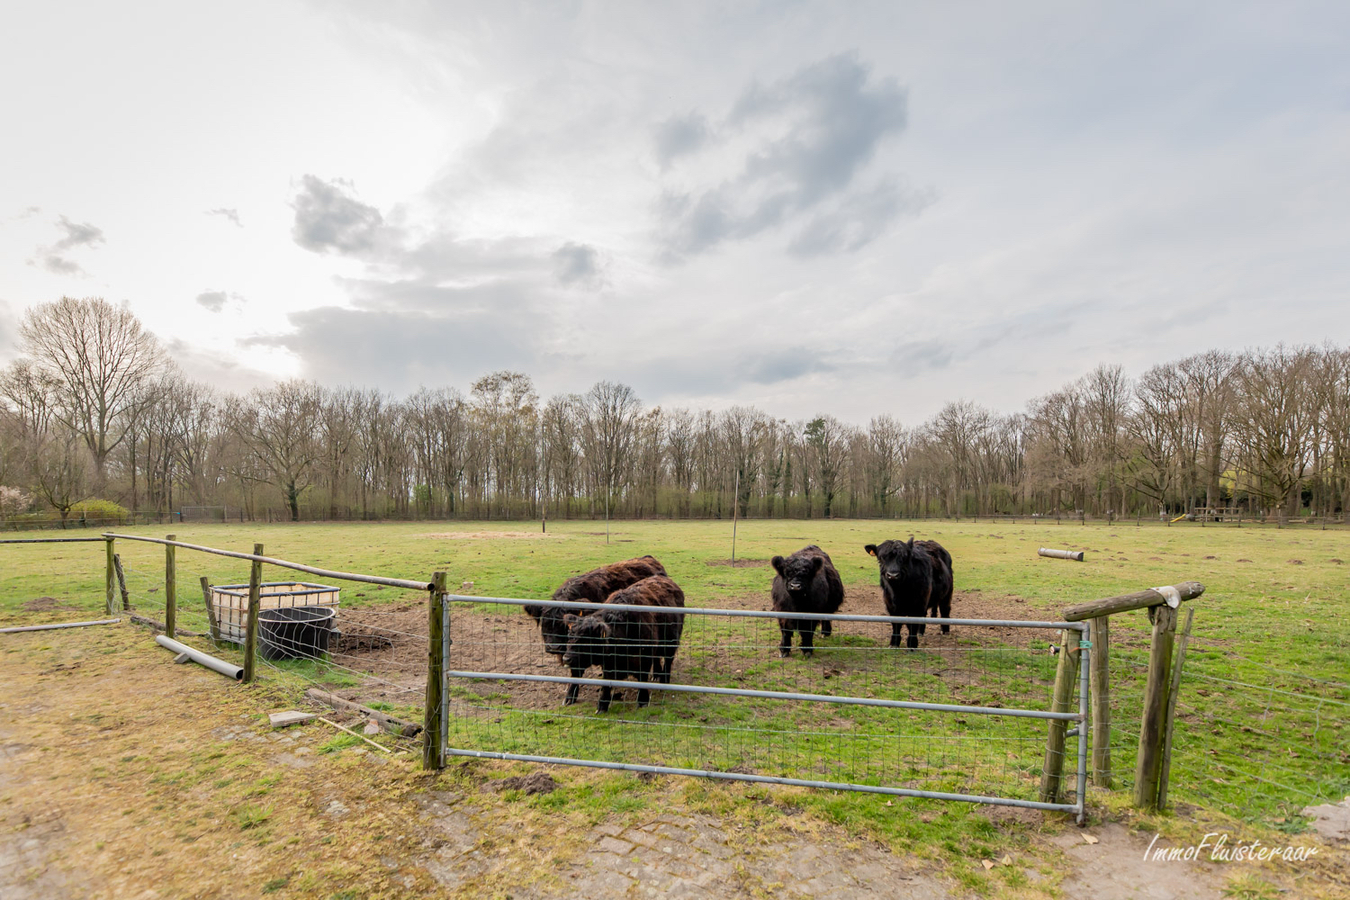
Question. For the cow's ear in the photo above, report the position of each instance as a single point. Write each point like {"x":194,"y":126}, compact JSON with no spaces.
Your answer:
{"x":777,"y":563}
{"x":570,"y":620}
{"x":871,"y":548}
{"x":817,"y":564}
{"x":910,"y":545}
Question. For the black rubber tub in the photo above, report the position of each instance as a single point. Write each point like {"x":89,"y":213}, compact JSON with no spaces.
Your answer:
{"x":295,"y":632}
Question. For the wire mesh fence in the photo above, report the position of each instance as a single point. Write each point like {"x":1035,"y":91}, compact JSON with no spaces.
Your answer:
{"x":1254,"y":741}
{"x":372,"y":652}
{"x":845,"y":716}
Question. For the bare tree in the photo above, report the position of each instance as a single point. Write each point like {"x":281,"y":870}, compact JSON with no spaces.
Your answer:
{"x":279,"y":430}
{"x":101,"y":355}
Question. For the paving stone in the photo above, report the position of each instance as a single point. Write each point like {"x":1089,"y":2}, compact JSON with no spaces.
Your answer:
{"x":614,"y":845}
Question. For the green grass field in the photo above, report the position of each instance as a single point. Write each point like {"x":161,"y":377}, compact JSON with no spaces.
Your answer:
{"x":1265,"y":704}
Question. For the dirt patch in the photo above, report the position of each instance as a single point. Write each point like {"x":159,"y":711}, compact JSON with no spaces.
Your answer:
{"x":1114,"y":868}
{"x":490,"y":535}
{"x":535,"y":783}
{"x":44,"y":604}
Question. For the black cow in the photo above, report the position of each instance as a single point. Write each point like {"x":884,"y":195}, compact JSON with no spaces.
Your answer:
{"x":916,"y":577}
{"x":807,"y":582}
{"x":627,"y":643}
{"x":594,"y":586}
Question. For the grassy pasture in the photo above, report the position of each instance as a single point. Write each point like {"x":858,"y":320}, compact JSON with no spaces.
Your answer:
{"x":1263,"y":718}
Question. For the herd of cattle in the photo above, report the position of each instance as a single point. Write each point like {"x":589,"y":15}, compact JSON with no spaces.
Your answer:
{"x":916,"y":580}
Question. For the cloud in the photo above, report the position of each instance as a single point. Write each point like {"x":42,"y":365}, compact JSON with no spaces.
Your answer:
{"x":809,"y":137}
{"x":214,"y":301}
{"x":231,"y":214}
{"x":680,"y":136}
{"x":54,"y":258}
{"x":327,"y":218}
{"x":783,"y":365}
{"x":579,"y":265}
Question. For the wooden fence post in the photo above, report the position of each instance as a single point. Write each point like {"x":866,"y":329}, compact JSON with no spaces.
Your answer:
{"x":1100,"y":675}
{"x":1172,"y":691}
{"x":432,"y":748}
{"x":251,"y":626}
{"x":210,"y":609}
{"x":170,"y":588}
{"x":109,"y":576}
{"x":1066,"y":679}
{"x":122,"y":583}
{"x":1153,"y":724}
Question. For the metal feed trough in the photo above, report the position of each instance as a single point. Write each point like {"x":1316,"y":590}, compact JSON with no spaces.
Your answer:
{"x":229,"y":603}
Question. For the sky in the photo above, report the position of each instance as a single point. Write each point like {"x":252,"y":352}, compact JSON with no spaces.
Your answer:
{"x":848,"y":208}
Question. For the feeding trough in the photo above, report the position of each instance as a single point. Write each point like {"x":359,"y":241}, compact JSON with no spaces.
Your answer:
{"x":229,"y":603}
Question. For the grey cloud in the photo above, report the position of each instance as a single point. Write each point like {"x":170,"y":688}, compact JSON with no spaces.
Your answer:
{"x":212,"y":300}
{"x":916,"y":357}
{"x":783,"y":365}
{"x":59,"y":265}
{"x":857,"y":219}
{"x":400,"y":349}
{"x":819,"y":128}
{"x":328,"y":218}
{"x":231,"y":214}
{"x":78,"y":234}
{"x":579,"y":265}
{"x":680,"y":136}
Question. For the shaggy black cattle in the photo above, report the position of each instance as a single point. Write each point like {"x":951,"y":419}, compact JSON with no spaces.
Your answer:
{"x":627,"y":643}
{"x":594,"y":586}
{"x":916,"y":577}
{"x":807,"y":582}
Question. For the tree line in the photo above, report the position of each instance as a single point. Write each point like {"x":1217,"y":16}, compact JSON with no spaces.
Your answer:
{"x":95,"y":413}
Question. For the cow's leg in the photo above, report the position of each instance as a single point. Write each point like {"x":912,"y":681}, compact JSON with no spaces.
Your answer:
{"x":945,"y":607}
{"x":785,"y":645}
{"x":605,"y":695}
{"x":573,"y":689}
{"x":912,"y":642}
{"x":806,"y":630}
{"x":826,"y":629}
{"x":895,"y":633}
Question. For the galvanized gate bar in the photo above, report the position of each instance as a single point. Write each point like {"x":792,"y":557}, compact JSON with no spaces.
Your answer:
{"x":770,"y":614}
{"x":767,"y":779}
{"x":777,"y":695}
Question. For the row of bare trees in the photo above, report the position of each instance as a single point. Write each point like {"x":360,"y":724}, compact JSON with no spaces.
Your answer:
{"x":95,"y":410}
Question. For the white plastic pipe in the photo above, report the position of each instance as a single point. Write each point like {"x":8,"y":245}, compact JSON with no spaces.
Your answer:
{"x":215,"y":665}
{"x":1076,"y":555}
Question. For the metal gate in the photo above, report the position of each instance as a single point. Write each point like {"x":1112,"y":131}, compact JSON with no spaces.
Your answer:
{"x":858,"y":715}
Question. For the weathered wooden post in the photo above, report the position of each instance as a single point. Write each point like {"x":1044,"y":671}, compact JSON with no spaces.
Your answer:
{"x":1100,"y":680}
{"x":122,"y":582}
{"x":251,"y":625}
{"x":1066,"y":677}
{"x":108,"y":576}
{"x":1153,"y":724}
{"x":170,"y":587}
{"x":210,"y":608}
{"x":1173,"y":690}
{"x":432,"y":746}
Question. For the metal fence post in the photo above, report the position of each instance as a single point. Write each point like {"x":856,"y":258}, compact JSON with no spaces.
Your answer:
{"x":251,"y":626}
{"x":170,"y":587}
{"x":433,"y":757}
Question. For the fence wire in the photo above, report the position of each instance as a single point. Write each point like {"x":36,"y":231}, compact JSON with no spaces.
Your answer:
{"x":376,"y":655}
{"x":946,"y":751}
{"x":1255,"y":741}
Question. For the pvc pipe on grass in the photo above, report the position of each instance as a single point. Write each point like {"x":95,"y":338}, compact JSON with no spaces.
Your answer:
{"x":215,"y":665}
{"x":54,"y":625}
